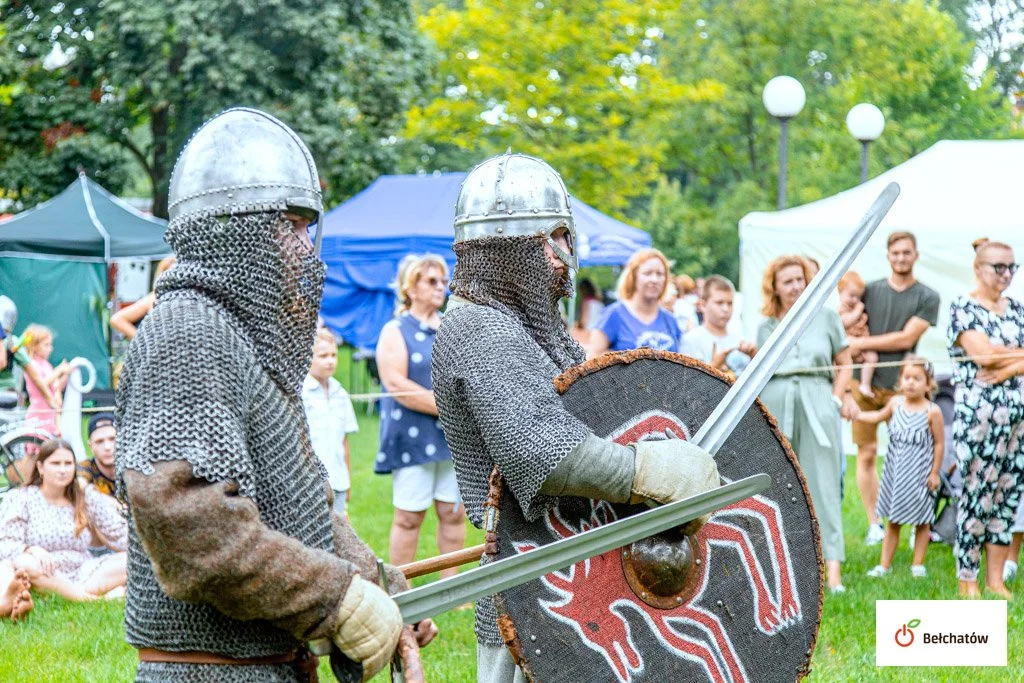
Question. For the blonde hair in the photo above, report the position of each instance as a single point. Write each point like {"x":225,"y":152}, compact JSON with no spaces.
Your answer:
{"x":34,"y":335}
{"x":983,"y":244}
{"x":850,"y":277}
{"x":772,"y":303}
{"x":914,"y":360}
{"x":626,"y":286}
{"x":325,"y":335}
{"x":410,"y":270}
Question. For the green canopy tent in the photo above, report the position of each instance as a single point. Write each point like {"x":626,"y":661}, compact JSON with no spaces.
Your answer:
{"x":54,"y":263}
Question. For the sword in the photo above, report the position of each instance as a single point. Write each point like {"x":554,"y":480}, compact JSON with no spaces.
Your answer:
{"x":434,"y":598}
{"x":437,"y":597}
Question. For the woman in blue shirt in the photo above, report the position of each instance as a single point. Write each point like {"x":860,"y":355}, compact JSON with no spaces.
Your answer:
{"x":637,"y":319}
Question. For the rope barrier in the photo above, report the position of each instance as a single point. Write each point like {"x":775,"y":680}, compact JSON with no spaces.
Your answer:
{"x":373,"y":396}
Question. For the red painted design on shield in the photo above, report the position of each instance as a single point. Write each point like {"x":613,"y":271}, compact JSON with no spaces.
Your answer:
{"x":690,"y":630}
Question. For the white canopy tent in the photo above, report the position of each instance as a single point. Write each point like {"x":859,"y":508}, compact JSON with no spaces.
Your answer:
{"x":951,"y":194}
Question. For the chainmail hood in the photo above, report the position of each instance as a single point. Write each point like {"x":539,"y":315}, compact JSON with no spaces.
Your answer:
{"x":513,"y":275}
{"x":257,"y":269}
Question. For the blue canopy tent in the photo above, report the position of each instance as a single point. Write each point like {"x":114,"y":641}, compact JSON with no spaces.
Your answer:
{"x":366,"y":237}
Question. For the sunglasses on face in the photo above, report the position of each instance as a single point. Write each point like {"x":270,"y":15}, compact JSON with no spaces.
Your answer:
{"x":1004,"y":268}
{"x":435,"y":281}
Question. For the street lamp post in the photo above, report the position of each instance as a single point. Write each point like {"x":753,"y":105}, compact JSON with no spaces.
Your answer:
{"x":866,"y":123}
{"x":783,"y":97}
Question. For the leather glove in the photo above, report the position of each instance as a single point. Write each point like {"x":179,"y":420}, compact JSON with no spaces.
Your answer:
{"x":670,"y":470}
{"x":370,"y":625}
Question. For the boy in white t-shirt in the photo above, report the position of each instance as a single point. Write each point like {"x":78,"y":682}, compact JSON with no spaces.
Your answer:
{"x":330,"y":416}
{"x":712,"y":342}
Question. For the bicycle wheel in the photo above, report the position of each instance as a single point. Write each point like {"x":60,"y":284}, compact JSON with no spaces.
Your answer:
{"x":16,"y":454}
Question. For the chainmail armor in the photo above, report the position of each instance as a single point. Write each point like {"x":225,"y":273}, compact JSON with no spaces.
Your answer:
{"x":160,"y":672}
{"x":508,"y":274}
{"x":493,"y":367}
{"x":212,"y":378}
{"x":239,"y":262}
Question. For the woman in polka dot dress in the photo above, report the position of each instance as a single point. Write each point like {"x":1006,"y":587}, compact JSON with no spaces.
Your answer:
{"x":412,"y":445}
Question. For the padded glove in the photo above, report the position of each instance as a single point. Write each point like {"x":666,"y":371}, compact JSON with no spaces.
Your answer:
{"x":673,"y":469}
{"x":369,"y":626}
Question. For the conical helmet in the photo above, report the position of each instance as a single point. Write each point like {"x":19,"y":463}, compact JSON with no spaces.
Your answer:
{"x":244,"y":161}
{"x":515,"y":195}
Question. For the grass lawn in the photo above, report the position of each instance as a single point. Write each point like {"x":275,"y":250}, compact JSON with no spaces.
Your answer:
{"x":66,"y":642}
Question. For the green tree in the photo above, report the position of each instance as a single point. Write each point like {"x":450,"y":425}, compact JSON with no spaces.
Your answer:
{"x":908,"y":58}
{"x":575,"y":83}
{"x":138,"y":77}
{"x":997,"y":27}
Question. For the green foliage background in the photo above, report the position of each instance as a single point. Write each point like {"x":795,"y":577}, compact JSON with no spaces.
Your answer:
{"x":143,"y":75}
{"x":651,"y":110}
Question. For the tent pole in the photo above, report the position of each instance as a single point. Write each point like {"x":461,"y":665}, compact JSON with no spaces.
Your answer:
{"x":111,"y":287}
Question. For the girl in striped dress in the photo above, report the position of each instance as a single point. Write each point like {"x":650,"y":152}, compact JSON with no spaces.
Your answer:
{"x":911,"y":473}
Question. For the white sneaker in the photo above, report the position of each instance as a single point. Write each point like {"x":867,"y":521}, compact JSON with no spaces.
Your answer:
{"x":918,"y":571}
{"x":837,"y":589}
{"x":1009,"y":571}
{"x":878,"y":572}
{"x":875,"y":535}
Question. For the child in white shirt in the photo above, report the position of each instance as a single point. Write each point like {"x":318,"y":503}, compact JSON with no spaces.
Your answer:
{"x":712,"y":342}
{"x":330,"y":416}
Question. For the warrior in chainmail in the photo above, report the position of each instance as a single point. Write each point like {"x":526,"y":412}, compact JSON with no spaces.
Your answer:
{"x":501,"y":344}
{"x":235,"y":559}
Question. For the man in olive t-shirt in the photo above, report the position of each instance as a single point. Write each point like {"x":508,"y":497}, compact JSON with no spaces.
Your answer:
{"x":900,"y":310}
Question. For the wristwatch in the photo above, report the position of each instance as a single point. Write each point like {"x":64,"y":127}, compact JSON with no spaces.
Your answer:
{"x":838,"y":401}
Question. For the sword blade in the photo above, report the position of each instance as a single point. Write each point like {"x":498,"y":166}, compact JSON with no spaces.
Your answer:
{"x":488,"y":579}
{"x":727,"y":414}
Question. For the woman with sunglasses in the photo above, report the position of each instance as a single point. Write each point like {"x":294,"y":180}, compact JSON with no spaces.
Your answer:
{"x":412,"y":445}
{"x":986,"y":335}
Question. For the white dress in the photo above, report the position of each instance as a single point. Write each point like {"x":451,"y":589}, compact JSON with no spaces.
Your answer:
{"x":27,"y":519}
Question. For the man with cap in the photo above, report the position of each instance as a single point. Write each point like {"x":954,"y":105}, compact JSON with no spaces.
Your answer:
{"x":235,"y":559}
{"x":99,"y":469}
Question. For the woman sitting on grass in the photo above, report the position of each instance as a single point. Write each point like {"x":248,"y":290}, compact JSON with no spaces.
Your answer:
{"x":911,"y":473}
{"x":48,"y":526}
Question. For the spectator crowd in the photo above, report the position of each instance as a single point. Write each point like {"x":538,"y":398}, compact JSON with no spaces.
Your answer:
{"x":63,"y":530}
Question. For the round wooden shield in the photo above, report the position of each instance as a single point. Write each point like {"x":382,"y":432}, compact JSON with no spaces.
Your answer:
{"x":742,"y":598}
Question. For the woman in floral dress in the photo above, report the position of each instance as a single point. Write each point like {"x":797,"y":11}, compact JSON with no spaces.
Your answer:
{"x":48,"y":526}
{"x":986,"y":333}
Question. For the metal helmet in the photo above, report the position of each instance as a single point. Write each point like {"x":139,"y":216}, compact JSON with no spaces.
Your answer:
{"x":245,"y":161}
{"x":514,"y":195}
